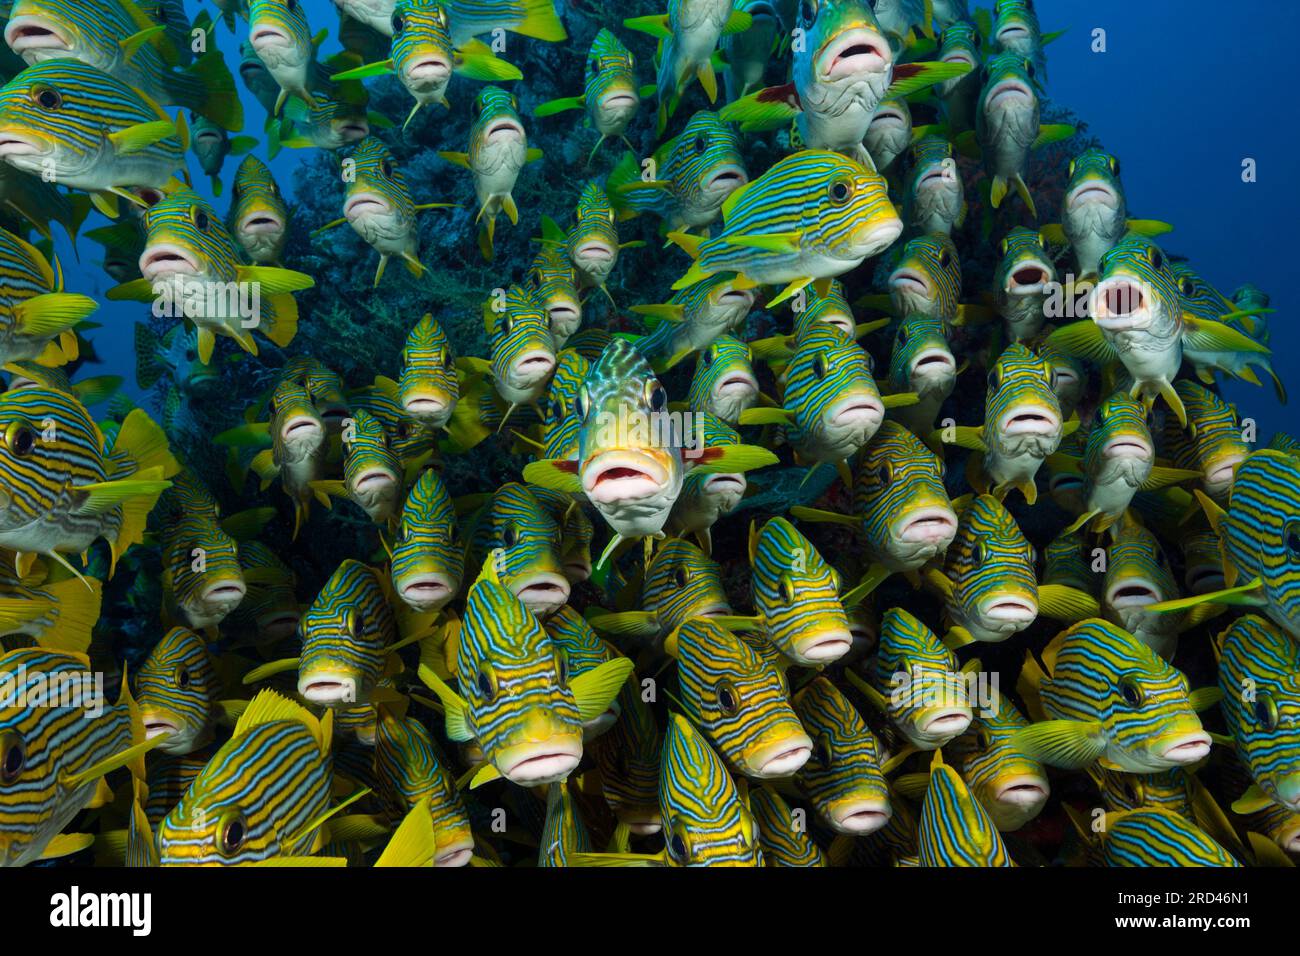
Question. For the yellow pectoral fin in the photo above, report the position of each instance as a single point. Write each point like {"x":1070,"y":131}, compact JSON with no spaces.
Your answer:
{"x":596,"y":689}
{"x":1068,"y":744}
{"x":270,"y":669}
{"x":456,"y":707}
{"x":1066,"y":603}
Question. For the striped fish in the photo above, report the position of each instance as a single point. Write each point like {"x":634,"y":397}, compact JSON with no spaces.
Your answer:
{"x":1259,"y":674}
{"x":813,"y":216}
{"x":832,"y":308}
{"x":692,"y":320}
{"x":90,"y":131}
{"x":1021,"y":285}
{"x":927,"y":278}
{"x":842,"y":779}
{"x":782,"y":834}
{"x":514,"y":521}
{"x":1065,"y":563}
{"x":37,"y":317}
{"x":747,"y":54}
{"x":934,"y":200}
{"x":988,"y":584}
{"x":1010,"y":786}
{"x":582,"y":651}
{"x":422,"y":55}
{"x":498,"y":150}
{"x":377,"y":204}
{"x":724,"y":383}
{"x":681,"y":582}
{"x":515,"y":696}
{"x":409,"y":768}
{"x":842,"y":70}
{"x":955,"y":828}
{"x":627,"y":756}
{"x":610,"y":93}
{"x":428,"y":386}
{"x":693,"y":174}
{"x":269,"y":611}
{"x":331,"y":122}
{"x":299,"y":447}
{"x":62,"y":485}
{"x":706,"y":498}
{"x":427,"y":559}
{"x":1212,"y":445}
{"x":554,"y":283}
{"x":688,"y":36}
{"x":523,"y":349}
{"x":58,"y":737}
{"x":211,"y":146}
{"x":345,"y":636}
{"x":192,"y":263}
{"x":1167,"y":790}
{"x":921,"y":362}
{"x":563,"y":831}
{"x":201,"y":575}
{"x":901,"y":509}
{"x":1069,"y":375}
{"x":1157,"y":837}
{"x":1109,"y":698}
{"x":55,"y":609}
{"x":1022,"y":425}
{"x":592,"y":244}
{"x":372,"y":472}
{"x":176,"y":692}
{"x":889,"y":135}
{"x":258,"y":218}
{"x":1202,"y":300}
{"x":282,"y":39}
{"x":469,"y":18}
{"x":414,"y":443}
{"x":229,"y":816}
{"x":916,"y":683}
{"x":705,"y":821}
{"x":1138,"y":575}
{"x":960,"y":42}
{"x":1015,"y":30}
{"x":738,"y":699}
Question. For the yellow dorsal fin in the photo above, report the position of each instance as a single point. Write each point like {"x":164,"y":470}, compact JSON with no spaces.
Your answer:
{"x":270,"y":706}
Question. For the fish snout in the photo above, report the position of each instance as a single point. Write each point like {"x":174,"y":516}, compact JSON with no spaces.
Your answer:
{"x":780,"y":758}
{"x":944,"y":723}
{"x":532,"y":367}
{"x":1219,"y":477}
{"x":426,"y":592}
{"x":225,"y":594}
{"x":859,"y":817}
{"x":541,"y":762}
{"x":1017,"y":611}
{"x":1034,"y":420}
{"x":543,"y":593}
{"x":328,"y":688}
{"x":858,"y":52}
{"x":1184,"y":749}
{"x":1120,"y":304}
{"x":930,"y":526}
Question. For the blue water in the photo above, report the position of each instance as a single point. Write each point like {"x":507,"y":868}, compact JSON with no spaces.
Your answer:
{"x":1183,"y":94}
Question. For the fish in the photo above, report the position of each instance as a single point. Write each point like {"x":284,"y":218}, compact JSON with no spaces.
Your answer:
{"x":1157,"y":837}
{"x":563,"y":831}
{"x":724,"y":383}
{"x":926,"y":278}
{"x":961,"y":41}
{"x":1011,"y":787}
{"x":934,"y":199}
{"x":890,"y":135}
{"x":331,"y":121}
{"x":64,"y":485}
{"x":592,"y":244}
{"x":269,"y":611}
{"x":610,"y":95}
{"x":627,"y":756}
{"x":211,"y":145}
{"x":1109,"y":699}
{"x":1094,"y":211}
{"x":58,"y":738}
{"x":921,"y":363}
{"x":842,"y":779}
{"x":38,"y":318}
{"x":692,"y":320}
{"x":56,"y":610}
{"x":227,"y":816}
{"x":523,"y":348}
{"x":747,"y":54}
{"x":688,"y":33}
{"x":192,"y":268}
{"x":1023,"y":283}
{"x":1212,"y":446}
{"x":373,"y":474}
{"x":427,"y":559}
{"x":988,"y":584}
{"x":955,"y":828}
{"x":423,"y":58}
{"x":515,"y":698}
{"x":498,"y":150}
{"x":90,"y":131}
{"x":429,"y":386}
{"x":514,"y":522}
{"x":686,"y":180}
{"x":468,"y":18}
{"x":201,"y":577}
{"x":782,"y":837}
{"x":810,"y":218}
{"x":582,"y":650}
{"x":705,"y":499}
{"x":842,"y":70}
{"x":298,"y":447}
{"x":553,"y":280}
{"x":258,"y":218}
{"x":282,"y":38}
{"x":177,"y":693}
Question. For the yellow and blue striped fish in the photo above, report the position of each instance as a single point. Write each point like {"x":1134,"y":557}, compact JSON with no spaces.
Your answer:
{"x":176,"y":691}
{"x":1138,"y":575}
{"x":37,"y":318}
{"x":1158,"y":837}
{"x":582,"y":650}
{"x":926,"y":278}
{"x":955,"y":828}
{"x":707,"y":497}
{"x":842,"y":779}
{"x":1203,"y":301}
{"x":610,"y":95}
{"x":258,"y":218}
{"x":1021,"y":284}
{"x":428,"y":386}
{"x":427,"y":557}
{"x":531,"y":567}
{"x":782,"y":836}
{"x":563,"y":831}
{"x":55,"y":609}
{"x":373,"y":475}
{"x":627,"y":756}
{"x":1011,"y":786}
{"x":202,"y":578}
{"x":1211,"y":445}
{"x":345,"y":635}
{"x":229,"y":816}
{"x":282,"y":38}
{"x":299,"y":446}
{"x":692,"y":319}
{"x":796,"y":596}
{"x":724,"y":383}
{"x":738,"y":699}
{"x":921,"y":362}
{"x":554,"y":283}
{"x":269,"y":611}
{"x":522,"y":347}
{"x":934,"y":200}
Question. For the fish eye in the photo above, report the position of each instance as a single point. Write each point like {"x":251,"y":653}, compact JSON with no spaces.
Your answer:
{"x":903,"y":335}
{"x":1155,"y":257}
{"x":1114,"y":165}
{"x":983,"y":740}
{"x":977,"y":554}
{"x":386,"y":168}
{"x":1029,"y":69}
{"x":232,"y":833}
{"x":945,"y":259}
{"x":182,"y":677}
{"x":487,"y":684}
{"x":1133,"y":790}
{"x":1131,"y":691}
{"x":507,"y":322}
{"x":728,"y":698}
{"x":1266,"y":712}
{"x":291,"y":5}
{"x":819,"y":366}
{"x":510,"y":537}
{"x":871,"y":364}
{"x":200,"y":219}
{"x":446,"y":358}
{"x":352,"y":622}
{"x":677,"y":843}
{"x":822,"y":749}
{"x":884,"y":473}
{"x":787,"y":589}
{"x":1186,"y":286}
{"x":706,"y":357}
{"x":14,"y":757}
{"x":562,"y":665}
{"x":994,"y":379}
{"x":1006,"y":243}
{"x":656,"y":395}
{"x":841,"y":191}
{"x":47,"y":98}
{"x":580,"y":404}
{"x":808,"y":12}
{"x":680,"y":577}
{"x":20,"y":440}
{"x":701,"y":144}
{"x":595,"y":67}
{"x":399,"y":22}
{"x":1292,"y":534}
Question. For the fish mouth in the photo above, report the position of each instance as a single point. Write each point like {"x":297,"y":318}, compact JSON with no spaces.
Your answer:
{"x":563,"y":316}
{"x":889,"y":117}
{"x":1023,"y":792}
{"x":1187,"y":748}
{"x":1204,"y":578}
{"x":620,"y":100}
{"x":861,"y":412}
{"x":1132,"y":593}
{"x":1011,"y":610}
{"x":279,"y":626}
{"x":328,"y":689}
{"x":1127,"y":446}
{"x":1007,"y":93}
{"x":532,"y":367}
{"x":854,"y":53}
{"x":861,"y":816}
{"x":1031,"y":421}
{"x":250,"y":70}
{"x":958,"y":56}
{"x":1120,"y":305}
{"x":909,"y":281}
{"x":930,"y":526}
{"x":645,"y":824}
{"x":424,"y":406}
{"x":737,"y":382}
{"x":1092,"y":191}
{"x":934,"y":363}
{"x":157,"y":726}
{"x":428,"y":590}
{"x":595,"y":249}
{"x":725,"y":181}
{"x":881,"y":236}
{"x":1065,"y":378}
{"x":18,"y":144}
{"x":544,"y":763}
{"x":622,"y":475}
{"x":736,"y":298}
{"x":577,"y":570}
{"x":725,"y":484}
{"x":364,"y":205}
{"x":354,"y":129}
{"x":1218,"y":479}
{"x":782,"y":758}
{"x":226,"y":592}
{"x":947,"y":722}
{"x":207,"y":134}
{"x":1028,"y":278}
{"x":300,"y":427}
{"x":504,"y":130}
{"x":1012,"y":33}
{"x":825,"y":647}
{"x":268,"y":38}
{"x":455,"y":856}
{"x":429,"y":68}
{"x":938,"y":175}
{"x":543,"y":594}
{"x":34,"y":35}
{"x":166,"y":260}
{"x":373,"y":480}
